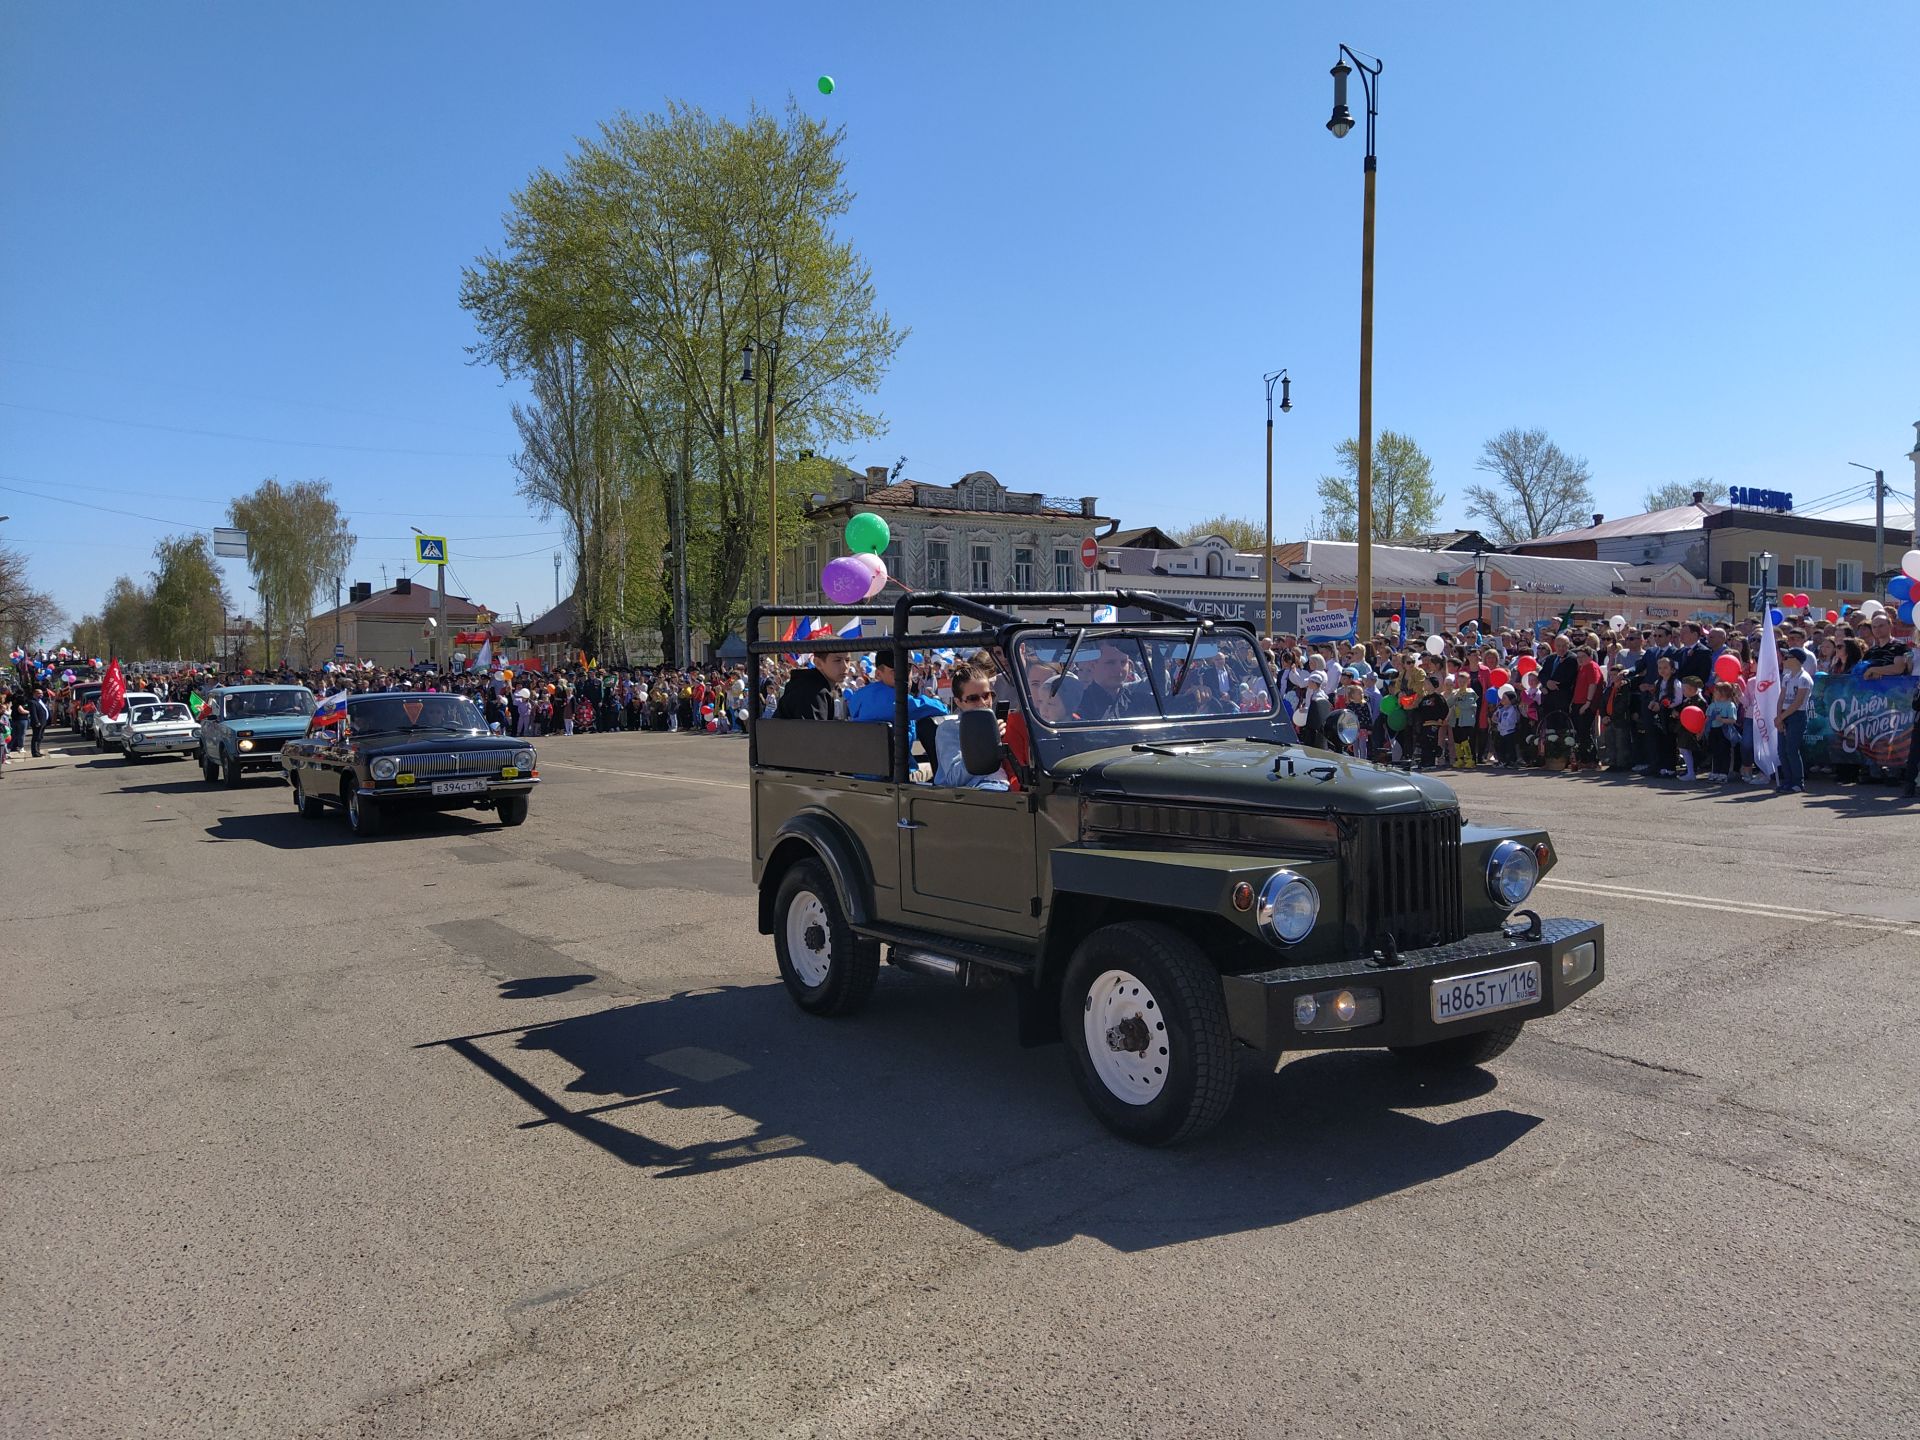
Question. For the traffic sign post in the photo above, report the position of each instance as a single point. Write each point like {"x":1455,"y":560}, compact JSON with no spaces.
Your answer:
{"x":339,"y":652}
{"x":1089,"y":553}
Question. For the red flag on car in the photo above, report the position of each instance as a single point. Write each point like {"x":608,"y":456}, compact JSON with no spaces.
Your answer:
{"x":113,"y":692}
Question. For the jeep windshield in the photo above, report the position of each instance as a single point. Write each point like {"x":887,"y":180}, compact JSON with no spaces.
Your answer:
{"x":1108,"y":676}
{"x":412,"y":714}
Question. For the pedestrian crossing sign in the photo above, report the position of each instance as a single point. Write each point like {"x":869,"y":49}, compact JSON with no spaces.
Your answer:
{"x":429,"y":549}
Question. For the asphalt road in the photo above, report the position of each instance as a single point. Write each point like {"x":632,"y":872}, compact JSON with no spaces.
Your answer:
{"x":468,"y":1131}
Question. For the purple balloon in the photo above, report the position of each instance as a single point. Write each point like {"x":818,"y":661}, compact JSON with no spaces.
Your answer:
{"x":845,"y":580}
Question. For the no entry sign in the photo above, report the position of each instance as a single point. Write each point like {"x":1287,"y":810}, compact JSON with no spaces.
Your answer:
{"x":1089,"y":552}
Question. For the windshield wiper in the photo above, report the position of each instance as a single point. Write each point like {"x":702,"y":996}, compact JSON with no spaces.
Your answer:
{"x":1193,"y":642}
{"x":1067,"y":669}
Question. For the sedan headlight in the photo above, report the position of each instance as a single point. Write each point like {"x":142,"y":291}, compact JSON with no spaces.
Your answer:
{"x":523,"y":760}
{"x":1512,"y":873}
{"x":1288,"y":907}
{"x":385,"y":769}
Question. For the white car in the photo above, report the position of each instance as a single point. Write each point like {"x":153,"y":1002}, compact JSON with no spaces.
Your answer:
{"x":162,"y":728}
{"x":108,"y":734}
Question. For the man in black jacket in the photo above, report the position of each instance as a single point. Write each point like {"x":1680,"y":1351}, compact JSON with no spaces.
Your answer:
{"x":812,"y":690}
{"x":1695,"y":659}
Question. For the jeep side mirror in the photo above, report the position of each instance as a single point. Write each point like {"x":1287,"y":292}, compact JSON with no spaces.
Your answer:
{"x":979,"y":741}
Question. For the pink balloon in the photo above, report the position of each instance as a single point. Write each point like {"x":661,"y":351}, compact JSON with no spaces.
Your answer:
{"x":845,"y":581}
{"x":876,"y":569}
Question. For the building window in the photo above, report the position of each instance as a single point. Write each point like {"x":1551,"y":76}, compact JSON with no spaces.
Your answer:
{"x":1806,"y":572}
{"x":894,"y":560}
{"x":1755,"y":575}
{"x":1846,"y":577}
{"x":1023,"y":568}
{"x":938,"y":577}
{"x":982,"y":566}
{"x":1213,"y":558}
{"x":813,"y":571}
{"x":1062,"y":568}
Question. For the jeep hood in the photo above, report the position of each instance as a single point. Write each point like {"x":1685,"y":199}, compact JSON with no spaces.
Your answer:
{"x":270,"y":725}
{"x":1251,"y":774}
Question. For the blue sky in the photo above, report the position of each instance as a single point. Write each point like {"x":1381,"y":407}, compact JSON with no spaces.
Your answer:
{"x":1681,"y":238}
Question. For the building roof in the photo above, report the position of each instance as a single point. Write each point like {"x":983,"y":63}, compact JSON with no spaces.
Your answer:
{"x":1141,"y":537}
{"x":389,"y":604}
{"x":1395,"y":567}
{"x":1653,"y":522}
{"x":977,"y":494}
{"x":557,"y":624}
{"x":1451,"y":540}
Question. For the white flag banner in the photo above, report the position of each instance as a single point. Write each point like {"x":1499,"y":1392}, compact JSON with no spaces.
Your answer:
{"x":1766,"y":704}
{"x":484,"y":660}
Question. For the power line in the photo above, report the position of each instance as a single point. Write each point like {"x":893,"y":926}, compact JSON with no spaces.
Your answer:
{"x":110,"y":510}
{"x":255,"y":439}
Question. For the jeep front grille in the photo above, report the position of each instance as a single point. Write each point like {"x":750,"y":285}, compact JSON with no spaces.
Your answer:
{"x":1415,"y":879}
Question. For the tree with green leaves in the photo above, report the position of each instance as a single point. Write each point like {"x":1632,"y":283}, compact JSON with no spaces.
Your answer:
{"x":1538,"y":489}
{"x":126,"y":620}
{"x":188,"y":604}
{"x":1675,"y":493}
{"x":661,"y":248}
{"x":1249,"y":537}
{"x":297,"y":541}
{"x":1404,"y":500}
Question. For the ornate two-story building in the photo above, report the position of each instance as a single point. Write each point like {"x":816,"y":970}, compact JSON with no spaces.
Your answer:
{"x":974,"y":534}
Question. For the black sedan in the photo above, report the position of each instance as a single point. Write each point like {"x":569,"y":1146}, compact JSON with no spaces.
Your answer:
{"x":375,"y":753}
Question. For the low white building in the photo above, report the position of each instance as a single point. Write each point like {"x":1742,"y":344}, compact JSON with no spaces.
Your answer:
{"x":1209,"y":577}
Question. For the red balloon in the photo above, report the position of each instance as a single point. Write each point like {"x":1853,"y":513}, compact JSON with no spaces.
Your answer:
{"x":1498,"y":677}
{"x":1833,"y":617}
{"x":1727,"y":667}
{"x":1693,"y":719}
{"x":1525,"y":665}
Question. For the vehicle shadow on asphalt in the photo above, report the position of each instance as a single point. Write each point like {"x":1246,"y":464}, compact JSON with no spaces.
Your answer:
{"x":928,"y":1093}
{"x":284,"y":829}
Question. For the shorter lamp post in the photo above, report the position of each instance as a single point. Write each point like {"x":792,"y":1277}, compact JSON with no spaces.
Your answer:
{"x":1480,"y":588}
{"x":1766,"y":582}
{"x":1286,"y":404}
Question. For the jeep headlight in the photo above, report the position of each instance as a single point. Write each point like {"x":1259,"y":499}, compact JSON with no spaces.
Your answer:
{"x":523,"y":760}
{"x":1511,"y":873}
{"x":1347,"y":726}
{"x":385,"y":769}
{"x":1288,"y":907}
{"x":246,"y":745}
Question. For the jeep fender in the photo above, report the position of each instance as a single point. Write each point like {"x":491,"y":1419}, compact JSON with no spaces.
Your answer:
{"x":816,"y":835}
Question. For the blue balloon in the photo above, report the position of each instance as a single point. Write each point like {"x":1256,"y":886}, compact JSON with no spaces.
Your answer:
{"x":1905,"y":612}
{"x":1860,"y":671}
{"x":1900,"y":587}
{"x":1776,"y":615}
{"x":1493,"y":697}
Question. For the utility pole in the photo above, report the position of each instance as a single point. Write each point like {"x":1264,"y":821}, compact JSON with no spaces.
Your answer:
{"x":1266,"y":563}
{"x":336,"y":612}
{"x":1879,"y":521}
{"x":556,"y":579}
{"x":1914,"y":456}
{"x":682,"y":624}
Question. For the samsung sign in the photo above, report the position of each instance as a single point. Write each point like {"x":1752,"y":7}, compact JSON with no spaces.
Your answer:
{"x":1778,"y":500}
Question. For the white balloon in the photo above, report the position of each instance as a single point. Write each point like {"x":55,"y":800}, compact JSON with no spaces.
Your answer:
{"x":1618,"y":622}
{"x":1910,"y":564}
{"x":1435,"y":645}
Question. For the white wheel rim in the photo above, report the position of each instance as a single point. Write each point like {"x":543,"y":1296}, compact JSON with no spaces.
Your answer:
{"x":809,"y":939}
{"x":1126,"y":1037}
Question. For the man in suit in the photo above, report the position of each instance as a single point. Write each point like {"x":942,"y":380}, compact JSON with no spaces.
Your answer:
{"x":1695,"y":659}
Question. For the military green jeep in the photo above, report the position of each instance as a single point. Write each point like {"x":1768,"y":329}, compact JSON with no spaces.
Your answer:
{"x":1148,"y":856}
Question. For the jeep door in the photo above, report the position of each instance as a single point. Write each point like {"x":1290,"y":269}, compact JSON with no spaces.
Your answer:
{"x":967,"y":860}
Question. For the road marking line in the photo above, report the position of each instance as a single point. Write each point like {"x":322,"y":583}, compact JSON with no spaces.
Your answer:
{"x":1798,"y":912}
{"x":644,"y":775}
{"x":1875,"y":924}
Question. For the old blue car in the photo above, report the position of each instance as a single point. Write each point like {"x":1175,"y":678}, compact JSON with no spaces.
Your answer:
{"x":242,"y":728}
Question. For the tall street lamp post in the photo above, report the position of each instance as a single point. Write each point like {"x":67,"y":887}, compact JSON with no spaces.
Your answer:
{"x":772,"y":352}
{"x":1480,"y":589}
{"x":1340,"y":123}
{"x":1286,"y":404}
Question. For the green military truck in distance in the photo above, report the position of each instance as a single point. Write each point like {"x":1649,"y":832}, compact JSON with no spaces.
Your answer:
{"x":1171,"y":878}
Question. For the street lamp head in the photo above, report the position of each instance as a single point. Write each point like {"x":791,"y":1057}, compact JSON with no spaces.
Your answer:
{"x":1342,"y":120}
{"x":746,"y":363}
{"x":1286,"y":393}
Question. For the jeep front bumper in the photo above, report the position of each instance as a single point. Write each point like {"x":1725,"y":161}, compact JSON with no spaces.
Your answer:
{"x":1261,"y":1007}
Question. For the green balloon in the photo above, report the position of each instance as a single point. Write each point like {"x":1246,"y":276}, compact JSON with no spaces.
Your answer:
{"x":867,"y":534}
{"x":1390,"y":703}
{"x":825,"y":83}
{"x":1396,"y":719}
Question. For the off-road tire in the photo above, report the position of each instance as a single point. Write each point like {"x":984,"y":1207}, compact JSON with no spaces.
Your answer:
{"x":512,"y":809}
{"x":1463,"y":1052}
{"x":852,"y":964}
{"x":229,"y":772}
{"x":309,"y":808}
{"x":1184,"y":988}
{"x":209,"y":770}
{"x":364,"y":817}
